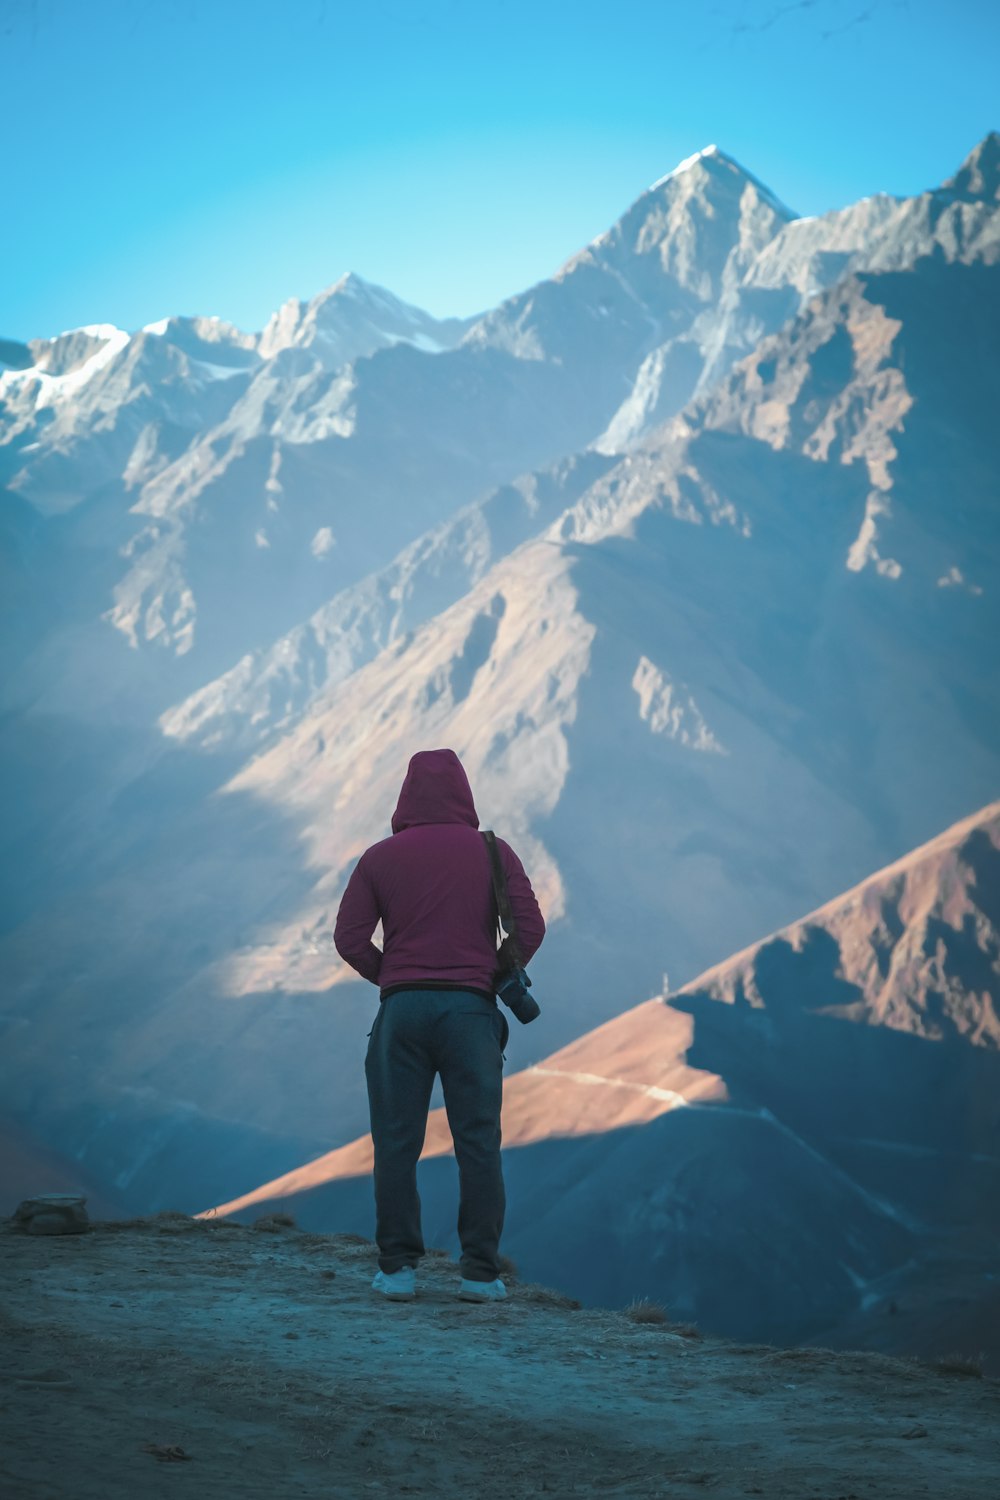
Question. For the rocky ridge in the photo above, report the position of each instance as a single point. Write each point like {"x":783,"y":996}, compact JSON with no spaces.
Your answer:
{"x":211,"y":1350}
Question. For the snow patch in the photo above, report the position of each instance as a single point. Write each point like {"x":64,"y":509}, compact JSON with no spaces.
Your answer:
{"x":323,"y":542}
{"x":209,"y":371}
{"x":272,"y":483}
{"x":422,"y":341}
{"x":955,"y":578}
{"x":671,"y":710}
{"x":349,"y":285}
{"x":95,"y":330}
{"x":52,"y":389}
{"x":863,"y":551}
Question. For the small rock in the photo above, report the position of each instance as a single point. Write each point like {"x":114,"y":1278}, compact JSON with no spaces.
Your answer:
{"x":53,"y":1213}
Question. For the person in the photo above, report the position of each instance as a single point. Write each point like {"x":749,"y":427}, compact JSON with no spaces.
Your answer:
{"x":430,"y":885}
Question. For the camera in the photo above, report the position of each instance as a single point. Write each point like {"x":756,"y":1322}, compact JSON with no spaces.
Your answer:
{"x":512,"y":989}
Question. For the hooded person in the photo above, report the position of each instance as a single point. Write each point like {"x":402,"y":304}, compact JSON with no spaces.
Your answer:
{"x":430,"y":885}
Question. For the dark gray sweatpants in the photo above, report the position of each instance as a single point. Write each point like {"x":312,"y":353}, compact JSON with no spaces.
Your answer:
{"x":460,"y":1035}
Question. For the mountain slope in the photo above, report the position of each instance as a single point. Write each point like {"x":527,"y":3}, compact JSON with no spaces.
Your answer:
{"x":750,"y":662}
{"x":805,"y":1095}
{"x":692,"y":619}
{"x":268,"y":690}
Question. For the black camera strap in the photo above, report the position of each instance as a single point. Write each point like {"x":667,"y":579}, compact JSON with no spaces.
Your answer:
{"x":508,"y":921}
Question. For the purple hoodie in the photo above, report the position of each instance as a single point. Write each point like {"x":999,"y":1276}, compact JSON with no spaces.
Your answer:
{"x":431,"y":886}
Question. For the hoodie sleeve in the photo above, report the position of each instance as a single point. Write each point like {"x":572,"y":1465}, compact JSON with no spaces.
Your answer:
{"x":527,"y":913}
{"x":357,"y":919}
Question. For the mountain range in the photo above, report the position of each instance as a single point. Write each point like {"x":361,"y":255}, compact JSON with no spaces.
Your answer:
{"x":690,"y":551}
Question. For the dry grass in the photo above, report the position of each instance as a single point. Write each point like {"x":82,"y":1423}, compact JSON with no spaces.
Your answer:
{"x":642,"y":1310}
{"x":543,"y":1296}
{"x":687,"y":1330}
{"x":972,"y":1365}
{"x":166,"y":1223}
{"x":507,"y":1266}
{"x":274,"y":1222}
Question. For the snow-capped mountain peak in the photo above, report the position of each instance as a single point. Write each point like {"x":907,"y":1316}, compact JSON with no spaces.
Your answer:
{"x":718,"y":165}
{"x":685,"y":165}
{"x":354,"y":317}
{"x":64,"y":364}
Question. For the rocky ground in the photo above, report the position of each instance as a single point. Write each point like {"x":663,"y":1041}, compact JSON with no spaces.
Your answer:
{"x":171,"y":1356}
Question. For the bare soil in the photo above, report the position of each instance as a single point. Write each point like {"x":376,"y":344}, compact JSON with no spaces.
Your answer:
{"x":178,"y":1357}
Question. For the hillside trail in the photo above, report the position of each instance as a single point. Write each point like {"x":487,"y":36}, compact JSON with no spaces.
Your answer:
{"x":182,"y":1357}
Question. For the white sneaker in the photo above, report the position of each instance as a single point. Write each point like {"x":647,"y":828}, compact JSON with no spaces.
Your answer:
{"x":400,"y":1286}
{"x":482,"y":1291}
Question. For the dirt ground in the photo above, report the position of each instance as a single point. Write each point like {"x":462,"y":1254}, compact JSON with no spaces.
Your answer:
{"x":177,"y":1357}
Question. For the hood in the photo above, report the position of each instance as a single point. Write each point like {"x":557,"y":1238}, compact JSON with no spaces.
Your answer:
{"x":435,"y":790}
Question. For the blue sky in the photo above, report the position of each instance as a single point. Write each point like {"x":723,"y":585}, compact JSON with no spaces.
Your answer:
{"x":219,"y":156}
